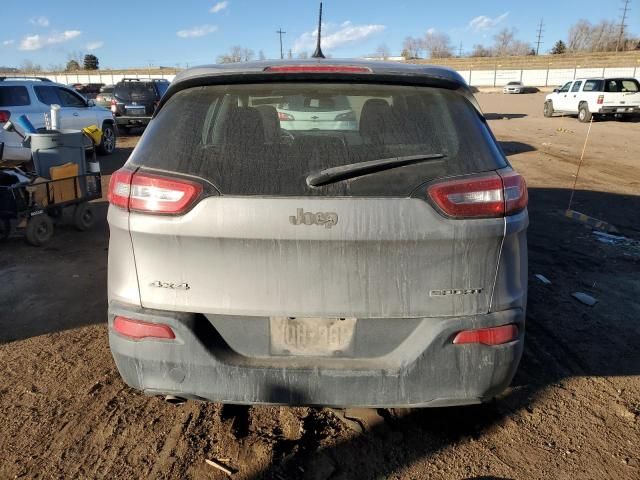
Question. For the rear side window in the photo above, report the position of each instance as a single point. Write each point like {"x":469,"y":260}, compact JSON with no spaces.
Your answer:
{"x":592,"y":86}
{"x":162,"y":87}
{"x":266,"y":139}
{"x":14,"y":97}
{"x":47,"y":95}
{"x":621,"y":85}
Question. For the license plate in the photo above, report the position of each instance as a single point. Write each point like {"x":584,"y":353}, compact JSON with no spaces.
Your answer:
{"x":622,"y":109}
{"x":323,"y":337}
{"x":134,"y":110}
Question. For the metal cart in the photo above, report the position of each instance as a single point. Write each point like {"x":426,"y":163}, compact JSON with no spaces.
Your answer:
{"x":33,"y":205}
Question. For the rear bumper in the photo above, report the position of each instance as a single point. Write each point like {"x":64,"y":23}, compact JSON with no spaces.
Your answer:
{"x":123,"y":121}
{"x":425,"y":369}
{"x":621,"y":109}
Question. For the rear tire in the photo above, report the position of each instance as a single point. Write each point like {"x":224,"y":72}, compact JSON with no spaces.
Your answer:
{"x":108,"y":144}
{"x":548,"y":109}
{"x":584,"y":115}
{"x":84,"y":217}
{"x":39,"y":230}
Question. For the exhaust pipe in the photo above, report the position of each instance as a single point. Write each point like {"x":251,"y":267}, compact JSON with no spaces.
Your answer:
{"x":174,"y":400}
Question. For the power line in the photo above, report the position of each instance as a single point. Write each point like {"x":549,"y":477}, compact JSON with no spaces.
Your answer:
{"x":281,"y":32}
{"x":625,"y":11}
{"x":540,"y":32}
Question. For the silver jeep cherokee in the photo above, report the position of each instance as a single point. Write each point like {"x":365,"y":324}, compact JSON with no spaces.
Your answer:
{"x":379,"y":264}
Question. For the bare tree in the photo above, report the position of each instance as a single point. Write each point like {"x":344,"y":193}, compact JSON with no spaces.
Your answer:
{"x":303,"y":55}
{"x":438,"y":45}
{"x":28,"y":66}
{"x":503,"y":41}
{"x":412,"y":46}
{"x":602,"y":37}
{"x":481,"y":51}
{"x":237,"y":54}
{"x":383,"y":51}
{"x":261,"y":55}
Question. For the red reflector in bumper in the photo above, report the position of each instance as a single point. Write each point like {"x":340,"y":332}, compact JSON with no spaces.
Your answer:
{"x":138,"y":330}
{"x":488,"y":336}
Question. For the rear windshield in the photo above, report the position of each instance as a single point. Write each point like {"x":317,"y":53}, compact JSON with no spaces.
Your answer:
{"x":132,"y":90}
{"x":14,"y":97}
{"x":621,"y":85}
{"x":252,"y":140}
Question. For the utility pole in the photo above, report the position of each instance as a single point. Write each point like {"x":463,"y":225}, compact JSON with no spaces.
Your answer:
{"x":625,"y":11}
{"x":539,"y":41}
{"x":460,"y":51}
{"x":280,"y":32}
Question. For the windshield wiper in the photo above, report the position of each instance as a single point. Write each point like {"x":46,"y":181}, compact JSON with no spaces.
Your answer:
{"x":352,"y":170}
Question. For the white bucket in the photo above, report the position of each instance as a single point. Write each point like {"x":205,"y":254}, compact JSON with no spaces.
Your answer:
{"x":93,"y":167}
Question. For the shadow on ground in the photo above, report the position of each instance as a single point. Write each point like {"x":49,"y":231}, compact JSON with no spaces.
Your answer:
{"x":579,"y":345}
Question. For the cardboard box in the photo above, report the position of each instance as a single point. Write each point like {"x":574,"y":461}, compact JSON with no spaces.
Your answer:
{"x":64,"y":190}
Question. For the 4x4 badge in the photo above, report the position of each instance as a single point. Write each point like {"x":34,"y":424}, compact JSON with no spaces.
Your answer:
{"x":328,"y":219}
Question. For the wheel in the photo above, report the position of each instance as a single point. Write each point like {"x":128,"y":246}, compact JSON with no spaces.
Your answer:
{"x":548,"y":109}
{"x":39,"y":230}
{"x":584,"y":115}
{"x":84,"y":217}
{"x":108,"y":143}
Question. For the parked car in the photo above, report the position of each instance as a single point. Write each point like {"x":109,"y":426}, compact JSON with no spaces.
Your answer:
{"x":105,"y":96}
{"x":134,"y":101}
{"x":315,"y":112}
{"x":514,"y":87}
{"x":595,"y":97}
{"x":33,"y":97}
{"x":380,"y":266}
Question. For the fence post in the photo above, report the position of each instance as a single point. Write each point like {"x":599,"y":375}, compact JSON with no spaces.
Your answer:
{"x":470,"y":72}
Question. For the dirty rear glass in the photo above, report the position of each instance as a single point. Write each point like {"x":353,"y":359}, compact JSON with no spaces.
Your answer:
{"x":244,"y":138}
{"x":127,"y":90}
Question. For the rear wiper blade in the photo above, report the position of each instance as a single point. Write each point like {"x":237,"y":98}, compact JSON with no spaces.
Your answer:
{"x":352,"y":170}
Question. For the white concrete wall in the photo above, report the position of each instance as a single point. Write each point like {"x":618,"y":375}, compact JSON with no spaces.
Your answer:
{"x":477,"y":78}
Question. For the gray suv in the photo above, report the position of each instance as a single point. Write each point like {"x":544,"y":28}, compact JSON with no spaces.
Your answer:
{"x":379,"y":265}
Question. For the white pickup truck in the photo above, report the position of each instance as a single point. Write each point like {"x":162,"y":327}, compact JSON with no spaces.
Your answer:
{"x":595,"y":97}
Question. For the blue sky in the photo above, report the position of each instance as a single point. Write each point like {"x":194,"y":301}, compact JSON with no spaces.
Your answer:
{"x":135,"y":33}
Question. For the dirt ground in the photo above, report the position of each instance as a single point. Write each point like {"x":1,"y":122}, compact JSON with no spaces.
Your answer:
{"x":573,"y":410}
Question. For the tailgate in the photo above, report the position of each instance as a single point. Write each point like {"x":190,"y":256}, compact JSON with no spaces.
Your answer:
{"x":383,"y":258}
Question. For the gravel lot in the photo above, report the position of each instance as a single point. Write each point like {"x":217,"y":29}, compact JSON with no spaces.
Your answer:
{"x":573,"y":410}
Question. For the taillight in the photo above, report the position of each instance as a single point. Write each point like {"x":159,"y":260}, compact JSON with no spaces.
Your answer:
{"x":138,"y":330}
{"x":5,"y":115}
{"x":600,"y":99}
{"x":346,"y":117}
{"x":516,"y":195}
{"x":119,"y":188}
{"x":147,"y":193}
{"x":285,"y":117}
{"x":318,"y":69}
{"x":488,"y":336}
{"x":483,"y":196}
